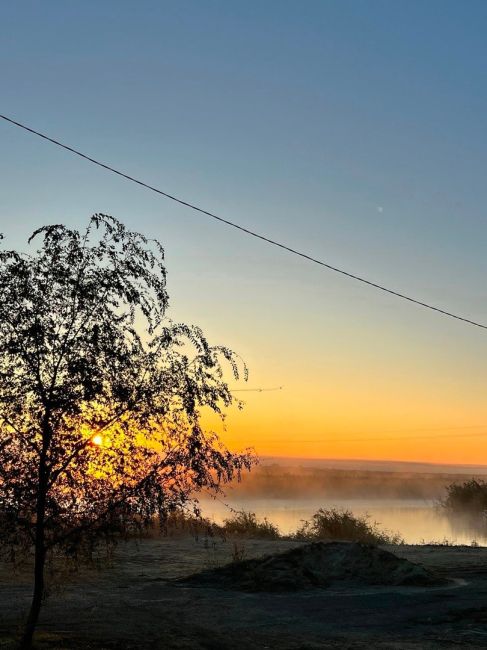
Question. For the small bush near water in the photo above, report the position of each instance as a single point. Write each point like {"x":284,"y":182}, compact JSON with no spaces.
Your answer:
{"x":241,"y":524}
{"x":326,"y":524}
{"x":343,"y":525}
{"x":180,"y":522}
{"x":246,"y":524}
{"x":469,"y":497}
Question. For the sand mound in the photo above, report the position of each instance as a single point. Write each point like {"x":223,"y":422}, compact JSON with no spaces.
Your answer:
{"x":317,"y":565}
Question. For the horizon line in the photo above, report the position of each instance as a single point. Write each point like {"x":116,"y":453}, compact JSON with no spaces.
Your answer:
{"x":370,"y":460}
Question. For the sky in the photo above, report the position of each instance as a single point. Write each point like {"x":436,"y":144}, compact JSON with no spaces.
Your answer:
{"x":353,"y":131}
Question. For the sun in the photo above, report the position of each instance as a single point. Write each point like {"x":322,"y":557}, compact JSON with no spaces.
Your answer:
{"x":97,"y":440}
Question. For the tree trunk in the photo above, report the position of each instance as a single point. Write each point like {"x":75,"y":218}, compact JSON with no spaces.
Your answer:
{"x":40,"y":549}
{"x":35,"y":608}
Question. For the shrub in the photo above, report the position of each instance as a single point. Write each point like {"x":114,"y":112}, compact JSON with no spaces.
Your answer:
{"x":246,"y":524}
{"x":180,"y":523}
{"x":338,"y":524}
{"x":469,"y":497}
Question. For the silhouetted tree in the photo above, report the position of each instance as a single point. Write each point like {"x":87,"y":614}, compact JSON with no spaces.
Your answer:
{"x":100,"y":395}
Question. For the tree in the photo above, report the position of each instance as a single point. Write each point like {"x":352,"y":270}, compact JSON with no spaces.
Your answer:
{"x":100,"y":395}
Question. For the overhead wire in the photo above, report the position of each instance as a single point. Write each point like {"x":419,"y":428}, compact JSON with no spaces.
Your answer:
{"x":256,"y":390}
{"x":406,"y":438}
{"x":245,"y":230}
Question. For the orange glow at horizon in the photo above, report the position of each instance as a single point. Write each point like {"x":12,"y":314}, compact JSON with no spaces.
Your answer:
{"x":457,"y":447}
{"x":379,"y":424}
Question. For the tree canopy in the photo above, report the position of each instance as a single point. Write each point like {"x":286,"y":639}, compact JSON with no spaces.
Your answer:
{"x":100,"y":394}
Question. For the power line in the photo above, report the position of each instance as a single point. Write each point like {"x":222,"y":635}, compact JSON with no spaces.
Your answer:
{"x":256,"y":390}
{"x":417,"y":436}
{"x":406,"y":438}
{"x":419,"y":429}
{"x":251,"y":233}
{"x":421,"y":432}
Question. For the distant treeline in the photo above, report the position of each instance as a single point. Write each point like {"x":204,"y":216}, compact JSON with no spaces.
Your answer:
{"x":278,"y":481}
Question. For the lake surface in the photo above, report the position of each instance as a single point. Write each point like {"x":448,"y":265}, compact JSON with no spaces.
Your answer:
{"x":416,"y":521}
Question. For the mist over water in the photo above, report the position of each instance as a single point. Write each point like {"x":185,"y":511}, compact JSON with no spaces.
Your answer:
{"x":417,"y":521}
{"x":400,"y":499}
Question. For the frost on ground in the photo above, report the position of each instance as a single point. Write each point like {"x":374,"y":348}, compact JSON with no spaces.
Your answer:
{"x":139,"y":598}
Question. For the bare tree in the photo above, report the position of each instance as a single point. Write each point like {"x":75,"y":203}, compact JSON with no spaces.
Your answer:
{"x":100,"y":395}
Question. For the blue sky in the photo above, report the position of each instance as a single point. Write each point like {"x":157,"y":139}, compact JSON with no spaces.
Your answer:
{"x":352,"y":130}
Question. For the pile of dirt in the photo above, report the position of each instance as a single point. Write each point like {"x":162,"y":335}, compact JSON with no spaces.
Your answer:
{"x":317,"y":565}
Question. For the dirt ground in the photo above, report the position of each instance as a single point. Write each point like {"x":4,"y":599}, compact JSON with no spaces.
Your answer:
{"x":136,"y":601}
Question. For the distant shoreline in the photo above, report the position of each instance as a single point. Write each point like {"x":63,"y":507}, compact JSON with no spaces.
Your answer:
{"x":375,"y":465}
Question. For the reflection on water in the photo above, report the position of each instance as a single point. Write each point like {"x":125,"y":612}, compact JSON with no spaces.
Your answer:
{"x":416,"y":521}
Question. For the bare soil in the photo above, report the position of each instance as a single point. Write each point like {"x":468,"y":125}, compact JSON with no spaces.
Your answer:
{"x":139,"y":600}
{"x":318,"y":564}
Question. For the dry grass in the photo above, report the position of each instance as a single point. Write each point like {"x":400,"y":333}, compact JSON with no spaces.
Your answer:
{"x":246,"y":524}
{"x":343,"y":525}
{"x":469,"y":497}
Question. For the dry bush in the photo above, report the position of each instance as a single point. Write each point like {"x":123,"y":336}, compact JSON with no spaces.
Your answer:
{"x":179,"y":522}
{"x":469,"y":497}
{"x":343,"y":525}
{"x":246,"y":524}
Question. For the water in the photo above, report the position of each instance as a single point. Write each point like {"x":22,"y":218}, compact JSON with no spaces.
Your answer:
{"x":416,"y":521}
